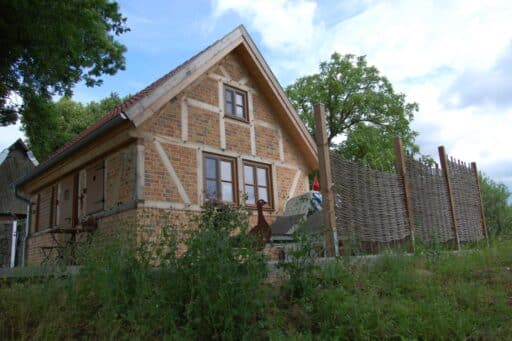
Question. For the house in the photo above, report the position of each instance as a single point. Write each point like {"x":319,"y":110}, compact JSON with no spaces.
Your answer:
{"x":219,"y":126}
{"x":15,"y":161}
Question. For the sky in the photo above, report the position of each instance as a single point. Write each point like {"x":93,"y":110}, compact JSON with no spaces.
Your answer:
{"x":454,"y":58}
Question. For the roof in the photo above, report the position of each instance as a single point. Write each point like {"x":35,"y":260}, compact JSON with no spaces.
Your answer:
{"x":20,"y":144}
{"x":146,"y":102}
{"x":121,"y":108}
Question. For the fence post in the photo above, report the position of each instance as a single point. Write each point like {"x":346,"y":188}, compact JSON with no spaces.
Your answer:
{"x":482,"y":213}
{"x":446,"y":172}
{"x":400,"y":167}
{"x":326,"y":184}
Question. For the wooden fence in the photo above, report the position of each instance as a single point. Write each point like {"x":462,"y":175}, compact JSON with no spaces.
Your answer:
{"x":415,"y":202}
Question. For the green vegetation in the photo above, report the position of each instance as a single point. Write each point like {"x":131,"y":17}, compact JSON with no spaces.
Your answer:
{"x":217,"y":289}
{"x":48,"y":125}
{"x":49,"y":46}
{"x":361,"y":105}
{"x":498,"y":211}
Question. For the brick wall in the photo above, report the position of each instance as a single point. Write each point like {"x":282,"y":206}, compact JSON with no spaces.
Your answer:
{"x":238,"y":137}
{"x":120,"y":177}
{"x":205,"y":90}
{"x":267,"y":143}
{"x":203,"y":127}
{"x":166,"y":129}
{"x":167,"y":122}
{"x":157,"y":183}
{"x":204,"y":130}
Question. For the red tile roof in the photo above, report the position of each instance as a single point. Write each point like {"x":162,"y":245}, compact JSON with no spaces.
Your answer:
{"x":125,"y":105}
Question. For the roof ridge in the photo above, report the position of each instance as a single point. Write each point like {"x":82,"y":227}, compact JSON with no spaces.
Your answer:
{"x":132,"y":100}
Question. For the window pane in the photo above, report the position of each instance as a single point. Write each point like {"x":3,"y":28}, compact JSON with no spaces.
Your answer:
{"x":239,"y":111}
{"x":225,"y":170}
{"x":229,"y":96}
{"x":227,"y":191}
{"x":249,"y":190}
{"x":239,"y":99}
{"x":211,"y":189}
{"x":229,"y":109}
{"x":249,"y":175}
{"x":262,"y":177}
{"x":263,"y":193}
{"x":211,"y":168}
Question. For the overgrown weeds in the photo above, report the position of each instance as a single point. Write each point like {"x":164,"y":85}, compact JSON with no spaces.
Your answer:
{"x":211,"y":285}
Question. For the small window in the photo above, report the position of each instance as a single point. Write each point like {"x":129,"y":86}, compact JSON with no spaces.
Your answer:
{"x":257,"y":180}
{"x":220,"y":178}
{"x":235,"y":103}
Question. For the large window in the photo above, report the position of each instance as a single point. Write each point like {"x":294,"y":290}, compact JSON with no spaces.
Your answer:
{"x":235,"y":103}
{"x":220,"y":178}
{"x":257,"y":180}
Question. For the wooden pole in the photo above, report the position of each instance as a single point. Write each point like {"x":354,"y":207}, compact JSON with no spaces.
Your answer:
{"x":400,"y":167}
{"x":326,"y":184}
{"x":482,"y":213}
{"x":446,"y":172}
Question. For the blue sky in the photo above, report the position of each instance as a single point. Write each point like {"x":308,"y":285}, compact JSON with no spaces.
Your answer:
{"x":452,"y":57}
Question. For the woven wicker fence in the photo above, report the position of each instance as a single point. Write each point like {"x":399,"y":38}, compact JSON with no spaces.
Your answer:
{"x":467,"y":201}
{"x":430,"y":202}
{"x":371,"y":206}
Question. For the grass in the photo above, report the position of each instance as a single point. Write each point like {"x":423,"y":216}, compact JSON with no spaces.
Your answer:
{"x":217,"y":290}
{"x":449,"y":297}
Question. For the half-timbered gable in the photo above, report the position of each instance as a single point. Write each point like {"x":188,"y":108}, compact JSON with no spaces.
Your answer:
{"x":218,"y":127}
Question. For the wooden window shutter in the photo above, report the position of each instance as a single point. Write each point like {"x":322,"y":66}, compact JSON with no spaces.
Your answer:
{"x":45,"y":207}
{"x":36,"y":212}
{"x":95,"y":187}
{"x":66,"y":201}
{"x":53,"y":206}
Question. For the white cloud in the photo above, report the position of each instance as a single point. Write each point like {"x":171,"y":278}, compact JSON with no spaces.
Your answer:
{"x":284,"y":25}
{"x":421,"y":46}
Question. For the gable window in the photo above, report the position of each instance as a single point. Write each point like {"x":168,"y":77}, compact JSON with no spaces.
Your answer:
{"x":220,"y":178}
{"x":235,"y":103}
{"x":257,"y":180}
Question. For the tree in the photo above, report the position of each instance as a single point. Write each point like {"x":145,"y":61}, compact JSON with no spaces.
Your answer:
{"x":49,"y":46}
{"x":360,"y":105}
{"x":374,"y":146}
{"x":48,"y":125}
{"x":498,"y":212}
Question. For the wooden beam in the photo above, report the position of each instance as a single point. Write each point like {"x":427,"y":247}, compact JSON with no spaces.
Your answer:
{"x":118,"y":138}
{"x":401,"y":169}
{"x":281,"y":144}
{"x":446,"y":172}
{"x":326,"y":184}
{"x":200,"y":175}
{"x":152,"y":102}
{"x":203,"y":105}
{"x":168,"y":205}
{"x":293,"y":187}
{"x":482,"y":212}
{"x":252,"y":128}
{"x":184,"y":119}
{"x":172,"y":173}
{"x":222,"y":127}
{"x":139,"y":170}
